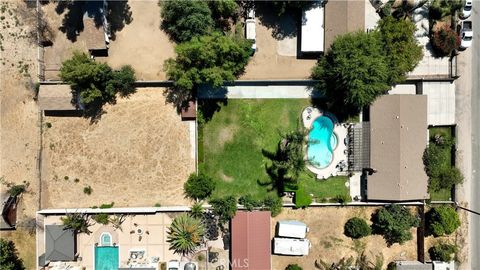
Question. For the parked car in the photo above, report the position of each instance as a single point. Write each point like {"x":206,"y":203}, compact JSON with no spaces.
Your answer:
{"x":250,"y":31}
{"x":467,"y":10}
{"x":466,"y":34}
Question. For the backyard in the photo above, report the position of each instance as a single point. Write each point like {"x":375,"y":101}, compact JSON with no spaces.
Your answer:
{"x":231,"y":147}
{"x":447,"y":154}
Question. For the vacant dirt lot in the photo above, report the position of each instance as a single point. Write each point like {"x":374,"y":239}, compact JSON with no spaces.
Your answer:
{"x":141,"y":43}
{"x":330,"y":244}
{"x":137,"y":154}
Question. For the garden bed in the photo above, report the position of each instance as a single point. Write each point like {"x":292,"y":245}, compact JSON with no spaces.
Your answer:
{"x":448,"y":157}
{"x":231,"y":145}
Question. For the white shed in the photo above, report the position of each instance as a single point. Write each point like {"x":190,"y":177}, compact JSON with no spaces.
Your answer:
{"x":291,"y":228}
{"x":290,"y":246}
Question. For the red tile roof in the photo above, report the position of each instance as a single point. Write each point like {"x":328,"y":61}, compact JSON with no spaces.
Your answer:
{"x":251,"y":241}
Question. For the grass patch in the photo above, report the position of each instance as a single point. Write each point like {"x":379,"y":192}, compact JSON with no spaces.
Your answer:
{"x":446,"y":156}
{"x":231,"y":144}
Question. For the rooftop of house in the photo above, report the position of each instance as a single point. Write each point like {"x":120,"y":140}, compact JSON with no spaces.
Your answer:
{"x":57,"y":97}
{"x":342,"y":17}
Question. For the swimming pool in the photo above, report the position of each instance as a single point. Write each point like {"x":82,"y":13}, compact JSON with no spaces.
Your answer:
{"x":321,"y":142}
{"x":106,"y":258}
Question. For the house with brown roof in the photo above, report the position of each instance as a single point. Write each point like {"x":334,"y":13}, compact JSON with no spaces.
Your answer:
{"x":250,"y":241}
{"x":398,"y":138}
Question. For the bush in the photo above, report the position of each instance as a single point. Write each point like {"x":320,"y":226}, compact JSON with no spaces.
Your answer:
{"x":225,"y":208}
{"x":302,"y":199}
{"x":196,"y":210}
{"x":199,"y":187}
{"x":445,"y":40}
{"x":87,"y":190}
{"x":249,"y":202}
{"x":342,"y":198}
{"x":442,"y":220}
{"x":394,"y":223}
{"x":274,"y":204}
{"x":293,"y":267}
{"x":106,"y":205}
{"x":101,"y":218}
{"x":357,"y":228}
{"x":17,"y":190}
{"x":435,"y":158}
{"x":442,"y":252}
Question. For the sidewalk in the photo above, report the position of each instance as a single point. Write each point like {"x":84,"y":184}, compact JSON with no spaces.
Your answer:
{"x":259,"y":91}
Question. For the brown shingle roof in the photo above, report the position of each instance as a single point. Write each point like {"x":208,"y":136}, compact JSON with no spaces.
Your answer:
{"x":56,"y":97}
{"x":251,"y":243}
{"x":341,"y":17}
{"x":398,"y":135}
{"x":94,"y":36}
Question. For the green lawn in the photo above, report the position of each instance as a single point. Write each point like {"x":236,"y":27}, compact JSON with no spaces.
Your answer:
{"x":231,"y":145}
{"x":443,"y":194}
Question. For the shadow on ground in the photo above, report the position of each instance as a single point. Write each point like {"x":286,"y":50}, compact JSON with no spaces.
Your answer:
{"x":283,"y":26}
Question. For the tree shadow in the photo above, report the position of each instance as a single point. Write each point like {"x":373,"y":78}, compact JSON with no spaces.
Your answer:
{"x":283,"y":26}
{"x":117,"y":14}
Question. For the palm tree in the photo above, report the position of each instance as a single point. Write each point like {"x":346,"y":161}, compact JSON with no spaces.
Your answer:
{"x":185,"y":234}
{"x":196,"y":210}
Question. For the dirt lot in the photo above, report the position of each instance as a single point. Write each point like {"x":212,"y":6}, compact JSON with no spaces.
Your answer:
{"x":276,"y":57}
{"x":139,"y":43}
{"x":137,"y":154}
{"x":330,"y":244}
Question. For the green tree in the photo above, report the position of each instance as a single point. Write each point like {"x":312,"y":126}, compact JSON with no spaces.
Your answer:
{"x":199,"y":187}
{"x":354,"y":71}
{"x":445,"y":40}
{"x":9,"y":259}
{"x":274,"y":204}
{"x":394,"y":223}
{"x":440,"y":8}
{"x":101,"y":218}
{"x":185,"y":19}
{"x":356,"y":228}
{"x":225,"y":208}
{"x":196,"y":210}
{"x":223,"y":9}
{"x":293,"y":267}
{"x":442,"y":220}
{"x":249,"y":202}
{"x":443,"y":252}
{"x":185,"y":234}
{"x":210,"y":60}
{"x":79,"y":222}
{"x":123,"y":81}
{"x":400,"y":47}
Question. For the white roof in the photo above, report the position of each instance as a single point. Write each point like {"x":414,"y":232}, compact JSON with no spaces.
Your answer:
{"x":441,"y":102}
{"x":250,"y":29}
{"x":292,"y":228}
{"x":289,"y":246}
{"x":313,"y":31}
{"x":403,"y":89}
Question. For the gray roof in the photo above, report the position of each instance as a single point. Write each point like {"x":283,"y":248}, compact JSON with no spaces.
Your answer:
{"x":342,"y":17}
{"x":398,"y":138}
{"x":413,"y":265}
{"x":59,"y":243}
{"x":57,"y":97}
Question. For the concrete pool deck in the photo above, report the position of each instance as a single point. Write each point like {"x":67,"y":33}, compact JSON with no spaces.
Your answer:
{"x":309,"y":115}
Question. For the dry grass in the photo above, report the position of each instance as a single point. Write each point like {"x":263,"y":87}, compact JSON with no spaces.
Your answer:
{"x":137,"y":154}
{"x":330,"y":244}
{"x":25,"y":244}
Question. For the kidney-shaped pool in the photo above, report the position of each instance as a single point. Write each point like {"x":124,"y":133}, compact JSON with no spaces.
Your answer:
{"x":321,"y":142}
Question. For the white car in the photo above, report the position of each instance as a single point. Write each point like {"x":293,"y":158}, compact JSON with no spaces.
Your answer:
{"x":466,"y":34}
{"x":467,"y":10}
{"x":173,"y":265}
{"x":250,"y":32}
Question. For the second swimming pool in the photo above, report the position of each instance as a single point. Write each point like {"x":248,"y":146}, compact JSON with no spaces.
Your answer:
{"x":321,"y":142}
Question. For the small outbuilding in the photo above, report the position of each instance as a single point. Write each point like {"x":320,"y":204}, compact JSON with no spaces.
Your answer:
{"x":290,"y":246}
{"x":60,"y":244}
{"x":56,"y":97}
{"x":292,"y":229}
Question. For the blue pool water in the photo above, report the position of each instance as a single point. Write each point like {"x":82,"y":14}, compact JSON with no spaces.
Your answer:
{"x":106,"y":258}
{"x":321,"y":142}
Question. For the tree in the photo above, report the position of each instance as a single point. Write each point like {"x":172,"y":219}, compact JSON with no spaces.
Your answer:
{"x":199,"y":187}
{"x":273,"y":204}
{"x":443,"y":252}
{"x":442,"y":220}
{"x":225,"y":208}
{"x":400,"y":47}
{"x":96,"y":83}
{"x":357,"y":228}
{"x":196,"y":210}
{"x":354,"y":71}
{"x":249,"y":202}
{"x":9,"y":259}
{"x":223,"y":9}
{"x":185,"y":19}
{"x":79,"y":222}
{"x":185,"y":234}
{"x":445,"y":40}
{"x":394,"y":223}
{"x":101,"y":218}
{"x":210,"y":60}
{"x":293,"y":267}
{"x":440,"y":8}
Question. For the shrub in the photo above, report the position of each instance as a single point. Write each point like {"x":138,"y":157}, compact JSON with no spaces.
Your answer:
{"x":106,"y":205}
{"x":394,"y":223}
{"x":274,"y":204}
{"x":442,"y":252}
{"x":357,"y":228}
{"x":199,"y":187}
{"x":17,"y":190}
{"x":79,"y":222}
{"x":445,"y":40}
{"x":249,"y":202}
{"x":101,"y":218}
{"x":185,"y":234}
{"x":225,"y":208}
{"x":9,"y":259}
{"x":442,"y":220}
{"x":302,"y":199}
{"x":293,"y":267}
{"x":87,"y":190}
{"x":196,"y":210}
{"x":342,"y":198}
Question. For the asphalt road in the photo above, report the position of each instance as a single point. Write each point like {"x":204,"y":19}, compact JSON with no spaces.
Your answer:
{"x":475,"y":185}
